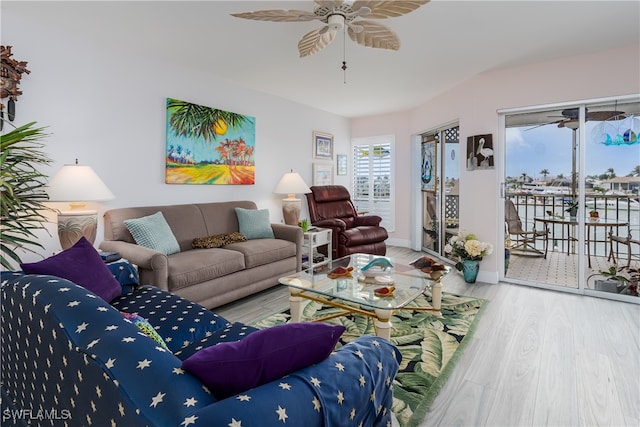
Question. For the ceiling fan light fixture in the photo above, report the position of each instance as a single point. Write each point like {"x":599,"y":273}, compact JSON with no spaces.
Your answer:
{"x":335,"y":22}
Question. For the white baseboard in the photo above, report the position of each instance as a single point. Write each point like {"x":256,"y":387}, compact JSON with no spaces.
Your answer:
{"x":403,"y":243}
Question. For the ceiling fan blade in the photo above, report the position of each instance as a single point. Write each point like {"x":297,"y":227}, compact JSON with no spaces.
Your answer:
{"x":329,"y":4}
{"x":603,"y":116}
{"x":388,"y":9}
{"x":315,"y":41}
{"x":558,"y":122}
{"x":278,"y":15}
{"x":373,"y":35}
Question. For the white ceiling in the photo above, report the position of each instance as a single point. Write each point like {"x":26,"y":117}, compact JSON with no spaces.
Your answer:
{"x":443,"y":43}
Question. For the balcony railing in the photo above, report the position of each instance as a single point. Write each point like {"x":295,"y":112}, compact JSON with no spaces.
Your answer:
{"x":621,"y":208}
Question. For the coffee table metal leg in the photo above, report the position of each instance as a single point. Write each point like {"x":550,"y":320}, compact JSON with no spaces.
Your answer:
{"x":436,"y":295}
{"x":382,"y":323}
{"x":295,"y":305}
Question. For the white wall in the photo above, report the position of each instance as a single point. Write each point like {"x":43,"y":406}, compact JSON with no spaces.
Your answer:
{"x":474,"y":103}
{"x":107,"y":109}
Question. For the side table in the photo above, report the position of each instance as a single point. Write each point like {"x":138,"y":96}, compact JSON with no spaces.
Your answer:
{"x":313,"y":239}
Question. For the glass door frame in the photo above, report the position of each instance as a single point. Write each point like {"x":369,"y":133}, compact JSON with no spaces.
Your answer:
{"x":439,"y":187}
{"x":581,"y":192}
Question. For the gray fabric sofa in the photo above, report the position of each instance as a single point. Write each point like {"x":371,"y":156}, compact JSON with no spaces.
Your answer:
{"x":210,"y":277}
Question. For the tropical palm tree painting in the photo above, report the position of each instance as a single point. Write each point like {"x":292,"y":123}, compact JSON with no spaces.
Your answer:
{"x":208,"y":146}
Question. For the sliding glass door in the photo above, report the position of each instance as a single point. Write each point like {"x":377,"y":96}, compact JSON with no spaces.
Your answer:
{"x":440,"y":176}
{"x":572,"y":174}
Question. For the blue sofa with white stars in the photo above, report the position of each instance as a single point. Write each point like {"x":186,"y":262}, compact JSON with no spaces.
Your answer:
{"x":69,"y":358}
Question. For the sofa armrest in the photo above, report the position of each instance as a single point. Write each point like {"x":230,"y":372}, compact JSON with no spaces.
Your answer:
{"x":144,"y":258}
{"x":361,"y":373}
{"x":293,"y":234}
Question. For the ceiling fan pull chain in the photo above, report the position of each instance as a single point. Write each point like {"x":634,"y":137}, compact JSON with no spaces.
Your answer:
{"x":344,"y":54}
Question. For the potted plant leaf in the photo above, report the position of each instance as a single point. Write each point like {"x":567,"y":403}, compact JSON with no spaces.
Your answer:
{"x":622,"y":280}
{"x":572,"y":209}
{"x":22,"y":193}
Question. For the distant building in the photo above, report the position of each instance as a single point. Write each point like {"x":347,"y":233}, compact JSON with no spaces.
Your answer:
{"x":626,"y":184}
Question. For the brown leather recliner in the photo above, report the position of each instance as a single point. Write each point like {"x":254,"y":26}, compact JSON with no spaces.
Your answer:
{"x":330,"y":206}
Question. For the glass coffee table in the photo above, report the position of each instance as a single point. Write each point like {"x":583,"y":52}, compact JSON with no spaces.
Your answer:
{"x":360,"y":294}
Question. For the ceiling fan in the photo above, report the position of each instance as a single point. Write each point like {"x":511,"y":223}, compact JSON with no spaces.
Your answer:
{"x":570,"y":118}
{"x":338,"y":14}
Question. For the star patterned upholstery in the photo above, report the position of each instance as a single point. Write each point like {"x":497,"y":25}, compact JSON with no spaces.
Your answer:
{"x":178,"y":321}
{"x":69,"y":358}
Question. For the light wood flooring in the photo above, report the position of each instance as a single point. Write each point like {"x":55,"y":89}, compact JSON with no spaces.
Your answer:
{"x":538,"y":357}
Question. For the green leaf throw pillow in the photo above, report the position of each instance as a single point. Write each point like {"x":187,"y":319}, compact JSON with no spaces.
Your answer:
{"x":254,"y":223}
{"x":153,"y":232}
{"x":145,"y":327}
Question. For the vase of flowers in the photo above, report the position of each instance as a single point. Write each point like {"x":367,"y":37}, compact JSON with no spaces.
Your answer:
{"x":469,"y":251}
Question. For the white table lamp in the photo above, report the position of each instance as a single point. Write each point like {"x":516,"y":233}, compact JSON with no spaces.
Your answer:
{"x":291,"y":184}
{"x":77,"y":184}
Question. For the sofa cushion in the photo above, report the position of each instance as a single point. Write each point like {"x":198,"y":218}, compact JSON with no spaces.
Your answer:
{"x":178,"y":321}
{"x":196,"y":266}
{"x":264,"y":251}
{"x":364,"y":235}
{"x":263,"y":356}
{"x":153,"y":232}
{"x":81,"y":264}
{"x":254,"y":223}
{"x":232,"y":332}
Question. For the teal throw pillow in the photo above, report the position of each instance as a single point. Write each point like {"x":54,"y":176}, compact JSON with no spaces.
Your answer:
{"x":153,"y":232}
{"x":254,"y":223}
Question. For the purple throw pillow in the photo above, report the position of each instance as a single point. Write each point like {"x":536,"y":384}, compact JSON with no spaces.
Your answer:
{"x":233,"y":367}
{"x":81,"y":264}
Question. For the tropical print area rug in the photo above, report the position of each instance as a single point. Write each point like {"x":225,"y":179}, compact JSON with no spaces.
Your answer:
{"x":430,"y":345}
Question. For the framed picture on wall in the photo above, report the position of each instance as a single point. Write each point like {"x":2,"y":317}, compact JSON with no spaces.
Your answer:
{"x":480,"y":152}
{"x":341,"y":164}
{"x":322,"y":174}
{"x":429,"y":168}
{"x":322,"y":146}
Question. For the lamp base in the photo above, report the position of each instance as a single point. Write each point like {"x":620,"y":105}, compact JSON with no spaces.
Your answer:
{"x":72,"y":225}
{"x":291,"y":211}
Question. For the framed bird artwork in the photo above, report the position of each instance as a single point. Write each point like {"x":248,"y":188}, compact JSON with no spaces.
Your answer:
{"x":480,"y":152}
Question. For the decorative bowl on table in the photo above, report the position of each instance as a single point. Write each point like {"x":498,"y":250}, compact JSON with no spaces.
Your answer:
{"x":434,"y":269}
{"x":340,"y":272}
{"x":384,"y":291}
{"x":375,"y":271}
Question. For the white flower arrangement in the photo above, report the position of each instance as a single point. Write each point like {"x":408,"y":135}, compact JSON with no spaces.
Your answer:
{"x":466,"y":245}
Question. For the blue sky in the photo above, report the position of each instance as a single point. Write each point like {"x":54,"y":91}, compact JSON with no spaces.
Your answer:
{"x":549,"y":147}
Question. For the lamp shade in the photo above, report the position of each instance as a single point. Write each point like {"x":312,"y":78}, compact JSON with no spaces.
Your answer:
{"x":291,"y":183}
{"x":77,"y":183}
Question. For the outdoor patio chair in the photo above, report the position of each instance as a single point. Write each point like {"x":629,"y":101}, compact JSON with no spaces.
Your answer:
{"x":525,"y":240}
{"x":619,"y":240}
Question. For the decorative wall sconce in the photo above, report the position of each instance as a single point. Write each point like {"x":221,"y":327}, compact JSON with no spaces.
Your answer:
{"x":10,"y":75}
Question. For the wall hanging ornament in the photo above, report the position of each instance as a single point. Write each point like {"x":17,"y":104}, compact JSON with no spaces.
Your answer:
{"x":10,"y":72}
